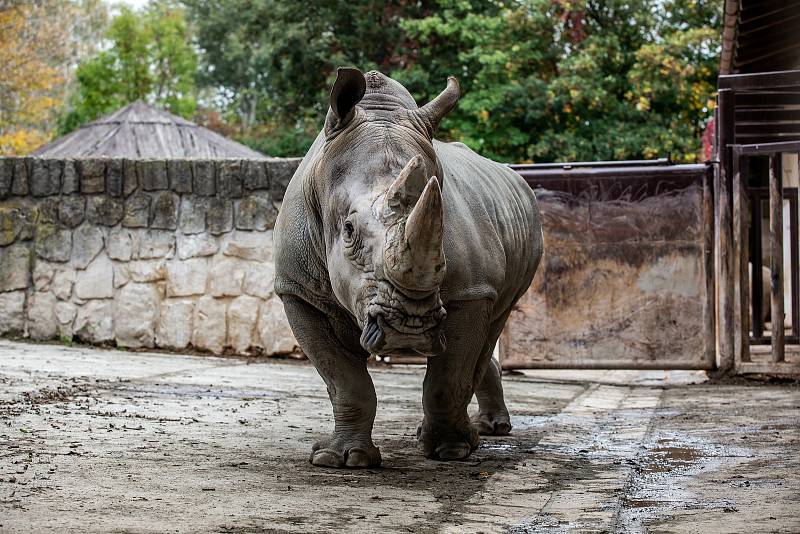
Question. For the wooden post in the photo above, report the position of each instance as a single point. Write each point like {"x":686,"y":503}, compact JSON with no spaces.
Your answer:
{"x":776,"y":257}
{"x":726,"y":326}
{"x":710,"y":326}
{"x":741,"y":315}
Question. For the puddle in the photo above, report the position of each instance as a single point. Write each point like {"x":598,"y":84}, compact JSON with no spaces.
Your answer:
{"x":501,"y":447}
{"x":665,"y":459}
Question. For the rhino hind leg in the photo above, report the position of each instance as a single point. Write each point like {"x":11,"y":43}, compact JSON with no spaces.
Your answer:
{"x":492,"y":418}
{"x":350,"y":387}
{"x":446,"y":432}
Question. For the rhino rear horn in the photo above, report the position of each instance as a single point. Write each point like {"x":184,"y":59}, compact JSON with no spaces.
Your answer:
{"x":408,"y":185}
{"x":434,"y":111}
{"x":348,"y":90}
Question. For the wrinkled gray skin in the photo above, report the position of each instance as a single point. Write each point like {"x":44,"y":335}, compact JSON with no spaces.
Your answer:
{"x":389,"y":242}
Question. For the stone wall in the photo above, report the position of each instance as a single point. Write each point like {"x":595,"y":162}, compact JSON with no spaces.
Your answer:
{"x":171,"y":254}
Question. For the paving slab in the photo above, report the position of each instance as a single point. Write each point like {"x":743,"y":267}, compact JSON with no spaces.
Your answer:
{"x":95,"y":440}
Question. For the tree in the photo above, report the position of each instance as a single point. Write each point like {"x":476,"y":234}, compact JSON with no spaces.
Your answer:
{"x":39,"y":43}
{"x":541,"y":80}
{"x":150,"y":58}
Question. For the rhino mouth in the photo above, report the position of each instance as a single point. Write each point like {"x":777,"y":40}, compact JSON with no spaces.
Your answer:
{"x":389,"y":330}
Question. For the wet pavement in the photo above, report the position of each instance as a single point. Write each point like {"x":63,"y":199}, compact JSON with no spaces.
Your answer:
{"x":110,"y":441}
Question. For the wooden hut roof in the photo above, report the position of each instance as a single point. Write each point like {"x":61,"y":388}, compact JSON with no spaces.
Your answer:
{"x":142,"y":131}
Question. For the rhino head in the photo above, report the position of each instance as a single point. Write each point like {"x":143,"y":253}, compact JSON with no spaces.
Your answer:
{"x":378,"y":188}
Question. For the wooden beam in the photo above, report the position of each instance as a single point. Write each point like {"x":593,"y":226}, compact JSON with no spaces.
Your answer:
{"x":761,"y":80}
{"x":776,"y":258}
{"x":726,"y":251}
{"x":741,"y":310}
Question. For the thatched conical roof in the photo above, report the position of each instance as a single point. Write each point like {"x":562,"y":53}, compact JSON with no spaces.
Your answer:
{"x":142,"y":131}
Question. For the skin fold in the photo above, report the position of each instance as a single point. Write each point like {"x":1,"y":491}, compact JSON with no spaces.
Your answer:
{"x":390,"y":242}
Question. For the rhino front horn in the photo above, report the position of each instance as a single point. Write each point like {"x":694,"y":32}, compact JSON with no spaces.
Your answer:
{"x":432,"y":113}
{"x":417,"y":262}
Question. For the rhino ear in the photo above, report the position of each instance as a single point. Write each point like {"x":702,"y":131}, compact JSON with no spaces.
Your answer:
{"x":348,"y":90}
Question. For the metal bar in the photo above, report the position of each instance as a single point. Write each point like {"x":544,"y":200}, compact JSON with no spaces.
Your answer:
{"x":588,"y":164}
{"x":776,"y":258}
{"x":763,"y":340}
{"x":760,"y":80}
{"x":610,"y":364}
{"x":769,"y":148}
{"x":708,"y":252}
{"x":757,"y":304}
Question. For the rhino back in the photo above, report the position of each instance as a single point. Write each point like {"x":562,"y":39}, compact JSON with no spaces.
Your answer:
{"x":493,"y":236}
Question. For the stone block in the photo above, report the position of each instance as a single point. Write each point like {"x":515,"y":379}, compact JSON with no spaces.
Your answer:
{"x":137,"y":211}
{"x":105,"y":210}
{"x":93,"y":175}
{"x":19,"y":184}
{"x":164,"y":214}
{"x":174,"y":328}
{"x":6,"y":176}
{"x":229,"y":179}
{"x":256,"y":174}
{"x":70,"y":180}
{"x":10,"y":224}
{"x":179,"y":172}
{"x":42,"y":322}
{"x":187,"y":277}
{"x":280,"y":173}
{"x":72,"y":210}
{"x":259,"y":280}
{"x":47,"y":210}
{"x":65,"y":314}
{"x":53,"y":244}
{"x":114,"y":177}
{"x":242,"y":317}
{"x":121,"y":274}
{"x":196,"y":246}
{"x":156,"y":244}
{"x":45,"y":177}
{"x":12,"y":313}
{"x":209,"y":327}
{"x":152,"y":175}
{"x":226,"y":277}
{"x":26,"y":218}
{"x":146,"y":270}
{"x":219,"y":216}
{"x":87,"y":242}
{"x":95,"y":322}
{"x":62,"y":284}
{"x":255,"y":246}
{"x":97,"y":281}
{"x":274,"y":330}
{"x":204,"y":176}
{"x":193,"y":214}
{"x":255,"y":212}
{"x":43,"y":273}
{"x":135,"y":315}
{"x":130,"y":179}
{"x":119,"y":244}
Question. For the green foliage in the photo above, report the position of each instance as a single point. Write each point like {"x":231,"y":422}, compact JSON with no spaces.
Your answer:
{"x":542,"y":80}
{"x":150,"y":58}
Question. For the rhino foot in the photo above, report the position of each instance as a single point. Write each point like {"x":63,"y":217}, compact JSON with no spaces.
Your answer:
{"x":492,"y":424}
{"x":447,"y":444}
{"x":338,"y":452}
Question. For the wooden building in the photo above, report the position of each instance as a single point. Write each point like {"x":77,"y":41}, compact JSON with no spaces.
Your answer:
{"x":756,"y":187}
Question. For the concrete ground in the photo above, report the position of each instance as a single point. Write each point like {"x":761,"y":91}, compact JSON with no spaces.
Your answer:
{"x":106,"y":441}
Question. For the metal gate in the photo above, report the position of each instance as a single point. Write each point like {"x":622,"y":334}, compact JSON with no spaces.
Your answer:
{"x":627,"y":278}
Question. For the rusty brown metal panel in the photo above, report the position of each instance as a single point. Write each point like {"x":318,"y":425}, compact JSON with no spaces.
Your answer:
{"x":623,"y":282}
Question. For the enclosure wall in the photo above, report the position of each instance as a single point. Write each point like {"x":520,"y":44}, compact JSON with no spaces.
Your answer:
{"x":143,"y":253}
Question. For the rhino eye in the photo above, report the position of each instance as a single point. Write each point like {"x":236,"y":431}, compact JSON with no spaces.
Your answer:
{"x":348,"y":229}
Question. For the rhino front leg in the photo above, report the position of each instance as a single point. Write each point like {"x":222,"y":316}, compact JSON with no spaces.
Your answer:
{"x":446,"y":432}
{"x":350,"y":387}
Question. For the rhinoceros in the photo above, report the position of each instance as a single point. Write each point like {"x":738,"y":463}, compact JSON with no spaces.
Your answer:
{"x":389,"y":242}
